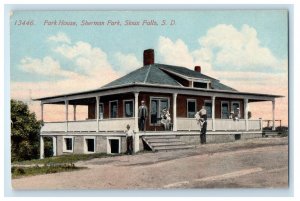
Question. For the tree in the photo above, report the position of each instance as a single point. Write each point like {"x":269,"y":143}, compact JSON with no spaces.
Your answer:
{"x":25,"y":129}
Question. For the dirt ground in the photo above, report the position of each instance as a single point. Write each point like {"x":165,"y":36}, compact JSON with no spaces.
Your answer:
{"x":255,"y":163}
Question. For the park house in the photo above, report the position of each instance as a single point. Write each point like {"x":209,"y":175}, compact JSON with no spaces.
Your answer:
{"x":181,"y":90}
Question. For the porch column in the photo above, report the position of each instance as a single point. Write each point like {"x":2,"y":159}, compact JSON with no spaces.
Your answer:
{"x":67,"y":112}
{"x":273,"y":114}
{"x":136,"y":112}
{"x":213,"y":98}
{"x":41,"y":147}
{"x":97,"y":111}
{"x":246,"y":113}
{"x":174,"y":111}
{"x":54,"y":145}
{"x":74,"y":111}
{"x":42,"y":111}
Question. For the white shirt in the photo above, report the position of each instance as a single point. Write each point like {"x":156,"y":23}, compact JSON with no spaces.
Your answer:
{"x":129,"y":133}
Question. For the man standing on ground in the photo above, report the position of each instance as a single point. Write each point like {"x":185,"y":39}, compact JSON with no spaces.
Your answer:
{"x":203,"y":124}
{"x":129,"y":140}
{"x":143,"y":114}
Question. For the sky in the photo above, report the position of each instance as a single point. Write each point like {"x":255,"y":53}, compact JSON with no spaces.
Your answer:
{"x":244,"y":49}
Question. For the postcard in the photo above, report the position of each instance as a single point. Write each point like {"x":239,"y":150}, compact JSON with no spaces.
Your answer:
{"x":171,"y":99}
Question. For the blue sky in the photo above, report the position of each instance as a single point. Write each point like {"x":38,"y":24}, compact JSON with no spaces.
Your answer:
{"x":271,"y":28}
{"x":245,"y":49}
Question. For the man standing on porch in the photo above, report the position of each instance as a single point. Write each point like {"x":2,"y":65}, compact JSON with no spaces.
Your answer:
{"x":143,"y":114}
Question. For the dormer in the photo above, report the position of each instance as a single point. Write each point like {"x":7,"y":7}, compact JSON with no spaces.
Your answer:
{"x":189,"y":80}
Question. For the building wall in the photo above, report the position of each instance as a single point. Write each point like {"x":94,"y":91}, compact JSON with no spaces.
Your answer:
{"x":78,"y":146}
{"x":181,"y":105}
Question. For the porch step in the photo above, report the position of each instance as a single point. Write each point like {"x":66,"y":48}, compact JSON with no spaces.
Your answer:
{"x":170,"y":148}
{"x":161,"y":137}
{"x":165,"y":143}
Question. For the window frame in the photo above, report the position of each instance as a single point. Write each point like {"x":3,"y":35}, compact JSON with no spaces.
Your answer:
{"x":65,"y":150}
{"x":111,"y":108}
{"x":208,"y":101}
{"x":86,"y":145}
{"x":187,"y":106}
{"x":228,"y":109}
{"x":159,"y":98}
{"x":124,"y":108}
{"x":101,"y":103}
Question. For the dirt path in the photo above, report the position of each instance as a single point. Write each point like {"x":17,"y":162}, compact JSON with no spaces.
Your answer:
{"x":250,"y":163}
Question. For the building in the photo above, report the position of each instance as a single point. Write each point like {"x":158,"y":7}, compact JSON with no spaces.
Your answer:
{"x":181,"y":90}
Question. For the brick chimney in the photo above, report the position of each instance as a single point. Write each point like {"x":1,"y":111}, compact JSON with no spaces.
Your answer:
{"x":198,"y":69}
{"x":148,"y":57}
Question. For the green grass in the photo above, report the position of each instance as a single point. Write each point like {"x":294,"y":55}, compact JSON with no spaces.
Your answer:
{"x":18,"y":172}
{"x":72,"y":158}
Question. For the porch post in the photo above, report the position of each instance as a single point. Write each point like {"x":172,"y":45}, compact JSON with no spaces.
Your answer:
{"x":246,"y":113}
{"x":97,"y":112}
{"x":174,"y":111}
{"x":273,"y":114}
{"x":74,"y":109}
{"x":54,"y":145}
{"x":67,"y":111}
{"x":136,"y":111}
{"x":41,"y":147}
{"x":213,"y":98}
{"x":42,"y":111}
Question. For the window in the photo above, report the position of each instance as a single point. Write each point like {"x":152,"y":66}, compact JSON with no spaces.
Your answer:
{"x":68,"y":144}
{"x":113,"y":109}
{"x":202,"y":85}
{"x":128,"y":108}
{"x":234,"y":106}
{"x":224,"y":110}
{"x":89,"y":144}
{"x":208,"y":107}
{"x":191,"y":108}
{"x":113,"y":145}
{"x":157,"y":105}
{"x":101,"y":110}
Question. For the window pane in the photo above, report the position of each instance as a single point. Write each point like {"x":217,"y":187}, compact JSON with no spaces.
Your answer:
{"x":101,"y":111}
{"x":164,"y":104}
{"x":191,"y":109}
{"x":154,"y":113}
{"x":128,"y":108}
{"x":225,"y":111}
{"x":208,"y":107}
{"x":90,"y":145}
{"x":113,"y":109}
{"x":68,"y":143}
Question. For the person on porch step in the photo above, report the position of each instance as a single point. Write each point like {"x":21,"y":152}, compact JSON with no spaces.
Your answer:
{"x":165,"y":118}
{"x":129,"y":140}
{"x":143,"y":114}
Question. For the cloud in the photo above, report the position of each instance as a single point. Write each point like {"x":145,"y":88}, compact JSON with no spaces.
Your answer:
{"x":126,"y":62}
{"x":239,"y":50}
{"x":175,"y":53}
{"x":45,"y":66}
{"x":60,"y":37}
{"x":88,"y":60}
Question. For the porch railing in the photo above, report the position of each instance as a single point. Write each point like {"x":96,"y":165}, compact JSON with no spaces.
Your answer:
{"x":190,"y":124}
{"x":116,"y":124}
{"x":119,"y":124}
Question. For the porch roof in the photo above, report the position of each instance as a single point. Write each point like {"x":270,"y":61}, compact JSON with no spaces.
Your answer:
{"x":144,"y":87}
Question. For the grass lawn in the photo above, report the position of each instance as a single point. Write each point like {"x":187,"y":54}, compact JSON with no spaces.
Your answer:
{"x":72,"y":158}
{"x":52,"y":164}
{"x":46,"y":169}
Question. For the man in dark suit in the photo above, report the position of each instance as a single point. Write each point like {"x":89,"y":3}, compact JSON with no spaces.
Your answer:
{"x":143,"y":114}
